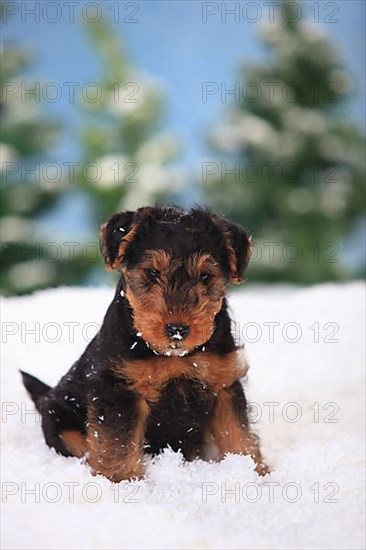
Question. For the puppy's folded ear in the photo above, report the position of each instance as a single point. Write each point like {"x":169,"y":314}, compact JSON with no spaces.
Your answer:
{"x":238,"y":248}
{"x":120,"y":231}
{"x":115,"y":235}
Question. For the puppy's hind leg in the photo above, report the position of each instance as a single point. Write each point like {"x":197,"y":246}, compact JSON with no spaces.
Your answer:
{"x":63,"y":426}
{"x":63,"y":430}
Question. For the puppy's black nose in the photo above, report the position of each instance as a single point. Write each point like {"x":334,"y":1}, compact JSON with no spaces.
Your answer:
{"x":177,"y":332}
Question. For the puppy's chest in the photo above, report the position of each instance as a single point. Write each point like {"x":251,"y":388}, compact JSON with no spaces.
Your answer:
{"x":209,"y":371}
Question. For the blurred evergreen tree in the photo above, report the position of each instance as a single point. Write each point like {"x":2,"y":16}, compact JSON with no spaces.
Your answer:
{"x":127,"y":155}
{"x":298,"y":164}
{"x":30,"y":186}
{"x":124,"y":164}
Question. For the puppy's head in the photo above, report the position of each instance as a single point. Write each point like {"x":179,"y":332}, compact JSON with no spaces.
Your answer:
{"x":176,"y":266}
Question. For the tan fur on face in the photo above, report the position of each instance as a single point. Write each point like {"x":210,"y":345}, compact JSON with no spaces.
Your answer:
{"x":157,"y":304}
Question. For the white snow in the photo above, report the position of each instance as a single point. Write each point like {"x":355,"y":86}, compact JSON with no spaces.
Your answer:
{"x":309,"y":367}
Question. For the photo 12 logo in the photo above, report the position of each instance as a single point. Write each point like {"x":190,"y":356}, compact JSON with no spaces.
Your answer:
{"x":269,"y":491}
{"x":69,"y":491}
{"x":270,"y":91}
{"x":71,"y":91}
{"x":269,"y":12}
{"x":70,"y":11}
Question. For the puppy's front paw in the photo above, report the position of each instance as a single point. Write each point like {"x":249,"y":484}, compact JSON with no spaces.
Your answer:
{"x":262,"y":469}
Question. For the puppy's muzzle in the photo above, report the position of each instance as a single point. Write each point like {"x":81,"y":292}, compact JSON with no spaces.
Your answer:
{"x":176,"y":332}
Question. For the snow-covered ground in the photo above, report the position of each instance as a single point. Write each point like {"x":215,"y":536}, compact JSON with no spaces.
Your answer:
{"x":306,"y":386}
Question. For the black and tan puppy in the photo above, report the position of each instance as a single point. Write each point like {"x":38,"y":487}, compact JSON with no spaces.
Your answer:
{"x":164,"y":368}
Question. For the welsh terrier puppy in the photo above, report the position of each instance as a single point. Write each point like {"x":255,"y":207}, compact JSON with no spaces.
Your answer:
{"x":164,"y":368}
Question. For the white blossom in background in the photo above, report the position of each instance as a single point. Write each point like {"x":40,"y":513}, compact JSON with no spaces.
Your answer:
{"x":7,"y":154}
{"x":110,"y":171}
{"x":137,"y":97}
{"x":254,"y":130}
{"x":270,"y":31}
{"x":14,"y":228}
{"x":153,"y":180}
{"x":32,"y":273}
{"x":334,"y":198}
{"x":304,"y":121}
{"x":275,"y":32}
{"x":158,"y":149}
{"x":331,"y":147}
{"x":246,"y":129}
{"x":312,"y":32}
{"x":18,"y":110}
{"x":22,"y":198}
{"x":52,"y":177}
{"x":300,"y":200}
{"x":226,"y":137}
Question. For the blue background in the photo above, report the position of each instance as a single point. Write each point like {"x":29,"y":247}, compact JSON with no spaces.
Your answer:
{"x":171,"y":42}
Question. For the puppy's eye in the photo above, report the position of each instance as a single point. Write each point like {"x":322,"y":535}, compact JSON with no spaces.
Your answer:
{"x":153,"y":274}
{"x":205,"y":277}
